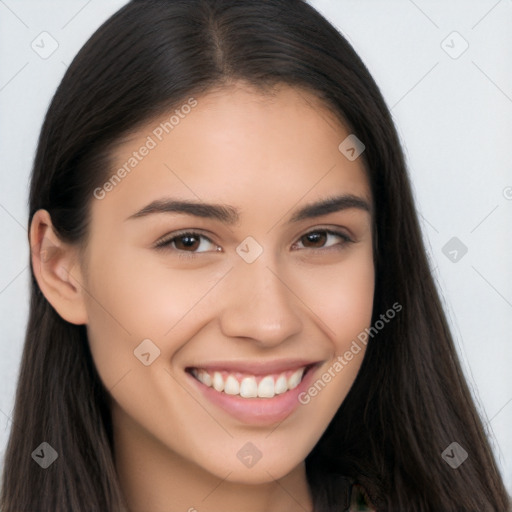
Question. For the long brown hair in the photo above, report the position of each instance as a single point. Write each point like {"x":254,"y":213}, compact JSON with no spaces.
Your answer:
{"x":410,"y":399}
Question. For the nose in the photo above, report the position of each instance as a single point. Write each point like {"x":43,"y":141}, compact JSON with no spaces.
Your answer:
{"x":260,"y":305}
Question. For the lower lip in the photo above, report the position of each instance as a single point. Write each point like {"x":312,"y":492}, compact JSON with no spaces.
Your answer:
{"x":261,"y":411}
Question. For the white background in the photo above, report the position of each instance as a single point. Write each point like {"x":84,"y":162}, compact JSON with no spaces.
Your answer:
{"x":454,"y":117}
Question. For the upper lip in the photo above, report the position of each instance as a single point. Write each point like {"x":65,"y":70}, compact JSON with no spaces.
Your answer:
{"x":256,"y":367}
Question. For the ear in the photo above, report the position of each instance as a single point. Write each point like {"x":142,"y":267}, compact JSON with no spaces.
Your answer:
{"x":57,"y":269}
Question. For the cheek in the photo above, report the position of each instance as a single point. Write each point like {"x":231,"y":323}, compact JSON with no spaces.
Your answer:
{"x":341,"y":296}
{"x":141,"y":295}
{"x":342,"y":300}
{"x":131,"y":297}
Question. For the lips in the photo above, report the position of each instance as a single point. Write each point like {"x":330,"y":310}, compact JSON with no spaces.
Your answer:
{"x":256,"y":393}
{"x":256,"y":367}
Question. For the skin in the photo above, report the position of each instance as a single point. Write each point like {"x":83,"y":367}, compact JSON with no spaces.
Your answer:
{"x":299,"y":298}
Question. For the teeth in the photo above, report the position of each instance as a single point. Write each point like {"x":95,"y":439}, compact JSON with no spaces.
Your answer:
{"x":232,"y":387}
{"x":281,"y":385}
{"x":206,"y":377}
{"x":266,"y":388}
{"x":295,"y":379}
{"x":248,"y":387}
{"x":218,"y":381}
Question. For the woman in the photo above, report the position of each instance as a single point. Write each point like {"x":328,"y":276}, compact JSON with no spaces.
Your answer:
{"x":231,"y":304}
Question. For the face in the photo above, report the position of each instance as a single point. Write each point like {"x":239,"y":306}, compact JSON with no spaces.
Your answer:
{"x":228,"y":271}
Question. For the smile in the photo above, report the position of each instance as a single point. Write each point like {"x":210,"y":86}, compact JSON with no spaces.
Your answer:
{"x":257,"y":392}
{"x":250,"y":386}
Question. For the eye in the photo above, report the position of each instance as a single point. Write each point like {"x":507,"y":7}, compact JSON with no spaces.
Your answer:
{"x":192,"y":242}
{"x":323,"y":239}
{"x":188,"y":241}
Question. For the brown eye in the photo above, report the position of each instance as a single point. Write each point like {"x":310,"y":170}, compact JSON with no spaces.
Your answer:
{"x":188,"y":241}
{"x":324,"y":239}
{"x":315,"y":239}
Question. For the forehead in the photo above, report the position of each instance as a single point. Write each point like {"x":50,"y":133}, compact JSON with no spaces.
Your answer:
{"x":236,"y":145}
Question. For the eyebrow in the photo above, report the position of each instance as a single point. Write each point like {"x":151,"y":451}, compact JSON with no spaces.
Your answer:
{"x":230,"y":215}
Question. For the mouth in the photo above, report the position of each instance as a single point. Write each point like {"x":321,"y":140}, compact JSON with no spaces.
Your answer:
{"x":249,"y":386}
{"x":263,"y":393}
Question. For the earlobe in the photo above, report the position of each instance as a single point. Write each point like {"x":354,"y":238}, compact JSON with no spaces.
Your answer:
{"x":56,"y":268}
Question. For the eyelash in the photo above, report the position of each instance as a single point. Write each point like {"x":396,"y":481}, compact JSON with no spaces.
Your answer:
{"x":166,"y":242}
